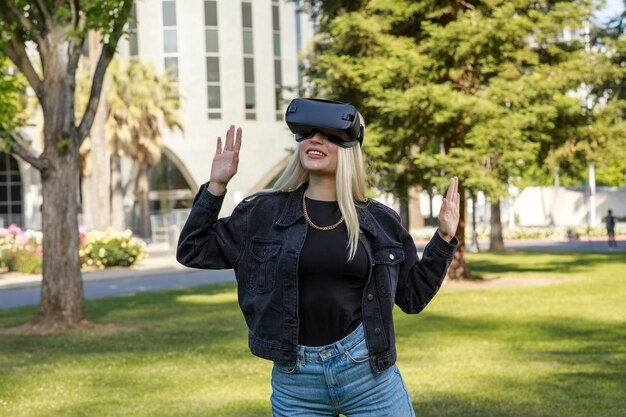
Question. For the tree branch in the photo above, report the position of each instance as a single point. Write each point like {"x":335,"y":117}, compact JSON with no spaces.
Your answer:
{"x":45,"y":13}
{"x":18,"y":17}
{"x":17,"y":53}
{"x":108,"y":50}
{"x":76,"y":43}
{"x":94,"y":96}
{"x":75,"y":9}
{"x":22,"y":151}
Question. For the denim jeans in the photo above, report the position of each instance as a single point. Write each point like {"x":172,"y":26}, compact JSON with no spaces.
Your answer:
{"x":338,"y":378}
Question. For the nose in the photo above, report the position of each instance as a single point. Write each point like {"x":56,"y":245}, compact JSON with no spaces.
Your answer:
{"x":318,"y":137}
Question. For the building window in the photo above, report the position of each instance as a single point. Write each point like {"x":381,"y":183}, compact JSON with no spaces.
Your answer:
{"x":278,"y":73}
{"x":10,"y":191}
{"x":248,"y":60}
{"x":214,"y":100}
{"x":170,"y":36}
{"x":133,"y":42}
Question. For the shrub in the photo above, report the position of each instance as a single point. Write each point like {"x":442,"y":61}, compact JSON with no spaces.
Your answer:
{"x":111,"y":248}
{"x":21,"y":251}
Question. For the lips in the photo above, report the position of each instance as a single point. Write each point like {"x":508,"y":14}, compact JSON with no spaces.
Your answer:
{"x":315,"y":153}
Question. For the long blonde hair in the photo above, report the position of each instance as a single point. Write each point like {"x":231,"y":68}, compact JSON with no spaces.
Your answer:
{"x":350,"y":180}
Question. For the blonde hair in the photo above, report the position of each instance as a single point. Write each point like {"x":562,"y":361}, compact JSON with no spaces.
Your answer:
{"x":350,"y":180}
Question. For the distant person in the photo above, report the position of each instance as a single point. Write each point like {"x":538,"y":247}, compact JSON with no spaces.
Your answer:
{"x":610,"y":228}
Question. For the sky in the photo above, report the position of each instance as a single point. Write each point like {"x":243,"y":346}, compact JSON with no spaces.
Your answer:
{"x":612,"y":8}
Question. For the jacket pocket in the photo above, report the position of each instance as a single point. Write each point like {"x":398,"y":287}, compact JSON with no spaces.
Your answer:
{"x":262,"y":263}
{"x":387,"y":261}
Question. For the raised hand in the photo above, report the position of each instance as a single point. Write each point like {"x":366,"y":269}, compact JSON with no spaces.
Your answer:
{"x":225,"y":161}
{"x":449,"y":213}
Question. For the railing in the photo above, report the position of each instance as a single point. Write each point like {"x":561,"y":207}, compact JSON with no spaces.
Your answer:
{"x":166,"y":227}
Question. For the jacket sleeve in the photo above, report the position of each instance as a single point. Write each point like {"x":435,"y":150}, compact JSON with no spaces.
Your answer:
{"x":419,"y":280}
{"x":206,"y":242}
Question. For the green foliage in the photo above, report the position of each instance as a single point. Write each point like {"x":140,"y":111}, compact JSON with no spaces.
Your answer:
{"x":485,"y":90}
{"x":21,"y":251}
{"x":111,"y":248}
{"x":106,"y":16}
{"x":12,"y":88}
{"x":62,"y":144}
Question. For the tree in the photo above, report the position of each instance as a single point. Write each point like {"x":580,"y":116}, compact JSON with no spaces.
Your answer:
{"x":58,"y":29}
{"x":138,"y":102}
{"x":457,"y":87}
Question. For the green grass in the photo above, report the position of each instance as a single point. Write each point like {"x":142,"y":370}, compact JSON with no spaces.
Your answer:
{"x":481,"y":351}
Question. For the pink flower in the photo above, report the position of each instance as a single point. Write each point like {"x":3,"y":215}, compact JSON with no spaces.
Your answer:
{"x":82,"y":234}
{"x":15,"y":230}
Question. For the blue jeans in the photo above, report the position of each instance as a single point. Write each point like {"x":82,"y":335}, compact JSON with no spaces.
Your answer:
{"x":338,"y":378}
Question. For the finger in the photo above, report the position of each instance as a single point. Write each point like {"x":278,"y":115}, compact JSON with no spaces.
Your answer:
{"x":238,"y":140}
{"x":444,"y":207}
{"x":456,"y":186}
{"x":455,"y":190}
{"x":450,"y":190}
{"x":457,"y":200}
{"x":219,"y":146}
{"x":229,"y":138}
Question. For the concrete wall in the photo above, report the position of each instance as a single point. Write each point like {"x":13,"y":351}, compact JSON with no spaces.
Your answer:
{"x":266,"y":142}
{"x":566,"y":206}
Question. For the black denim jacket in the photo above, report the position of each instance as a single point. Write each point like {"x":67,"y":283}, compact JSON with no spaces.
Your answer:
{"x":262,"y":240}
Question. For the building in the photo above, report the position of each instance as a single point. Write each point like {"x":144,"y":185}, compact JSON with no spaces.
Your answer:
{"x":237,"y":63}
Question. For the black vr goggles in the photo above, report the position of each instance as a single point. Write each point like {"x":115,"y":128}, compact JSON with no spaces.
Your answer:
{"x":340,"y":122}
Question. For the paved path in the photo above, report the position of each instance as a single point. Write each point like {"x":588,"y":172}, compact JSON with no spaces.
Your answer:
{"x":161,"y":272}
{"x":156,"y":273}
{"x":18,"y":296}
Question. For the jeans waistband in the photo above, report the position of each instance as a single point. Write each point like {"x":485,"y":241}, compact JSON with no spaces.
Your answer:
{"x":324,"y":353}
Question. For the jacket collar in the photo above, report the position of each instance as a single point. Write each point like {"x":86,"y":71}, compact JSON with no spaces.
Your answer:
{"x":293,"y":211}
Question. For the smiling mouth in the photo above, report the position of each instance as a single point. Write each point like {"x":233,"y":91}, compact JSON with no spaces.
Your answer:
{"x":315,"y":153}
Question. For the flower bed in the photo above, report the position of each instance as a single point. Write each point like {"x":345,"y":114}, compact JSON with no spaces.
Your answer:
{"x":21,"y":251}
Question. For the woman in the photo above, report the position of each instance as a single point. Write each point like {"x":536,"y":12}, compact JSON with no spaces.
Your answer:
{"x":319,"y":267}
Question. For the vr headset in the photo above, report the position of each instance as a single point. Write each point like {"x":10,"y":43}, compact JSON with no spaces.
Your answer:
{"x":340,"y":122}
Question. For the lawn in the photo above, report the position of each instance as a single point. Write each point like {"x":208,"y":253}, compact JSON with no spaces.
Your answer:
{"x":544,"y":337}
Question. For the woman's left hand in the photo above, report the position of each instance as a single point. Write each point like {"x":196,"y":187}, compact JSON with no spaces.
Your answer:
{"x":449,"y":213}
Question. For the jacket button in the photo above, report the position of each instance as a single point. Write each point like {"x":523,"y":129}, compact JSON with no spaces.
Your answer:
{"x":370,"y":297}
{"x":391,"y":256}
{"x":377,"y":331}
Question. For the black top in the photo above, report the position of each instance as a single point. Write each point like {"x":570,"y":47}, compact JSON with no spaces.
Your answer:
{"x":329,"y":289}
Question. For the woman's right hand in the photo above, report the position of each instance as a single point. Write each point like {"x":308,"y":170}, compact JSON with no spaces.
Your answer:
{"x":225,"y":161}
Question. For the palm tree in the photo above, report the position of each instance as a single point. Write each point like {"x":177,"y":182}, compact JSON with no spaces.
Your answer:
{"x":139,"y":101}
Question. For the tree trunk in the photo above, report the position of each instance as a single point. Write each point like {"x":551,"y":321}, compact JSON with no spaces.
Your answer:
{"x":86,"y":201}
{"x":144,"y":201}
{"x":100,"y":161}
{"x":404,"y":213}
{"x":459,"y":269}
{"x":431,"y":216}
{"x":416,"y":220}
{"x":117,"y":194}
{"x":62,"y":298}
{"x":496,"y":243}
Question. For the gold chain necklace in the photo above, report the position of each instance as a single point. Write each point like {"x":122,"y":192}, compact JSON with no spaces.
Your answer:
{"x":313,"y":225}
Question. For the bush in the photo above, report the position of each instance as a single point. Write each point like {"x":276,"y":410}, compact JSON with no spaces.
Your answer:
{"x":111,"y":248}
{"x":21,"y":251}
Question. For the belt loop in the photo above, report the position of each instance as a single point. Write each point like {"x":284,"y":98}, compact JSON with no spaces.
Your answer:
{"x":341,"y":348}
{"x":301,"y":354}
